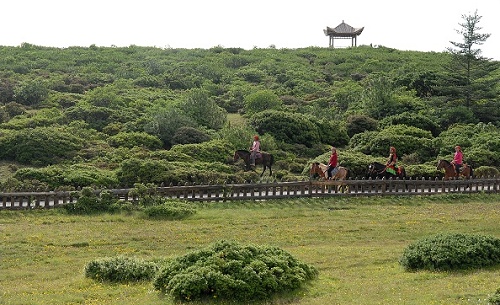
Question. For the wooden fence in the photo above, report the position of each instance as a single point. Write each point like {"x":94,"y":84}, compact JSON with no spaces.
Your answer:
{"x":266,"y":191}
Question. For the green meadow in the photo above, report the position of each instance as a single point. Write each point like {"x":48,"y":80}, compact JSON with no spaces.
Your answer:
{"x":355,"y":243}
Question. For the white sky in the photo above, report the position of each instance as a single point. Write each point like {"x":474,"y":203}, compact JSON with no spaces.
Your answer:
{"x":424,"y":25}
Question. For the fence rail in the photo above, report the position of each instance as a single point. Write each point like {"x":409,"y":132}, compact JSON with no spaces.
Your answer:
{"x":266,"y":191}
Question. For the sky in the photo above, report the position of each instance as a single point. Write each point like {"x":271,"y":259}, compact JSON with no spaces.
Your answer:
{"x":424,"y":25}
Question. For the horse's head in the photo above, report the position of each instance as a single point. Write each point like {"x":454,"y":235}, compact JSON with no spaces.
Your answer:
{"x":442,"y":164}
{"x":236,"y":156}
{"x":316,"y":170}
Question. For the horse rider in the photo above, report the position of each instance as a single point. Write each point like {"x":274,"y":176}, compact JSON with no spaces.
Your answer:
{"x":254,"y":149}
{"x":457,"y":160}
{"x":333,"y":164}
{"x":391,"y":165}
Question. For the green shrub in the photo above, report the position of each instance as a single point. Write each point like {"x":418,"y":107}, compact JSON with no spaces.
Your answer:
{"x":495,"y":299}
{"x":227,"y":270}
{"x":452,"y":252}
{"x":121,"y":270}
{"x":89,"y":202}
{"x":169,"y":209}
{"x":486,"y":171}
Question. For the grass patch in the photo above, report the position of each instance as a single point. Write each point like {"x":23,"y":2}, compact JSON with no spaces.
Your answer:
{"x":355,"y":243}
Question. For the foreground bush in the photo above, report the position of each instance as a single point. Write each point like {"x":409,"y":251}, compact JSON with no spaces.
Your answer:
{"x":452,"y":252}
{"x":121,"y":270}
{"x":227,"y":270}
{"x":495,"y":299}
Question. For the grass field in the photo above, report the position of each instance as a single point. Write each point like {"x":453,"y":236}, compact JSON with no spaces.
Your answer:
{"x":355,"y":243}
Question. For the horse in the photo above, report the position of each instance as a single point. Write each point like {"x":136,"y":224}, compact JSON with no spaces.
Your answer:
{"x":449,"y":170}
{"x":320,"y":170}
{"x":262,"y":158}
{"x":378,"y":170}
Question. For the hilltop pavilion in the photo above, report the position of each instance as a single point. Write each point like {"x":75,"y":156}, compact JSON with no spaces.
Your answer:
{"x":343,"y":31}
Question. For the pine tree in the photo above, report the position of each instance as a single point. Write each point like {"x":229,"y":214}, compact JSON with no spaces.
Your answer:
{"x":471,"y":75}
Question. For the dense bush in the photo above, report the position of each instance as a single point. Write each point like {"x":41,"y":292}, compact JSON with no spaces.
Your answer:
{"x":189,"y":135}
{"x":76,"y":176}
{"x":40,"y":146}
{"x":360,"y":123}
{"x":228,"y":270}
{"x":90,"y":202}
{"x":292,"y":128}
{"x":168,"y":209}
{"x":211,"y":151}
{"x":452,"y":252}
{"x":121,"y":269}
{"x":131,"y":139}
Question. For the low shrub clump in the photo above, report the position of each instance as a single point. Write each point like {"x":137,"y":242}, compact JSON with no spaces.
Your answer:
{"x":89,"y":202}
{"x":445,"y":252}
{"x":227,"y":270}
{"x":170,"y":210}
{"x":121,"y":270}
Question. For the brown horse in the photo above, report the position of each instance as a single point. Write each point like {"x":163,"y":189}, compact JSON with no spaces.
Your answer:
{"x":320,"y":170}
{"x":262,"y":158}
{"x":449,"y":170}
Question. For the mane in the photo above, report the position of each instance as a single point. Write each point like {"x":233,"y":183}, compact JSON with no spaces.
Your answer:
{"x":243,"y":151}
{"x":445,"y":161}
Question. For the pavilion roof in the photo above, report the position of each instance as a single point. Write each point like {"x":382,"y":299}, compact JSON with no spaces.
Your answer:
{"x":343,"y":30}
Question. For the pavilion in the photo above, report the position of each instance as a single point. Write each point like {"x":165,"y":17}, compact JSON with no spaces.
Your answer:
{"x":343,"y":31}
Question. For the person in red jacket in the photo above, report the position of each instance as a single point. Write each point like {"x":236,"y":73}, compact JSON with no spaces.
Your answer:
{"x":333,"y":164}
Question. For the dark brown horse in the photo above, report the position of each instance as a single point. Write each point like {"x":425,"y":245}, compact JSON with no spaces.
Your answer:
{"x":378,"y":170}
{"x":262,"y":158}
{"x":449,"y":170}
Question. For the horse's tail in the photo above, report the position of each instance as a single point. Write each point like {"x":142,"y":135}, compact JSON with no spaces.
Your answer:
{"x":471,"y":172}
{"x":271,"y":161}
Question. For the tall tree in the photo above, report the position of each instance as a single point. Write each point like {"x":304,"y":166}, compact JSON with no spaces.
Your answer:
{"x":471,"y":73}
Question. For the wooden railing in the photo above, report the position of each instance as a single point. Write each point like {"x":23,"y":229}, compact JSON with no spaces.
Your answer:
{"x":266,"y":191}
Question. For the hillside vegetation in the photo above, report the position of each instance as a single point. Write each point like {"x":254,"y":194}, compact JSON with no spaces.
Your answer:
{"x":112,"y":117}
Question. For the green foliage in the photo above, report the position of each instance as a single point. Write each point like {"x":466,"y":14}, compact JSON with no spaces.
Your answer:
{"x":40,"y":146}
{"x":262,"y":100}
{"x":495,"y":298}
{"x":90,"y":202}
{"x":406,"y":139}
{"x":421,"y":121}
{"x":31,"y":92}
{"x":452,"y":251}
{"x":201,"y":108}
{"x":287,"y":127}
{"x":164,"y":122}
{"x":177,"y":95}
{"x":211,"y":151}
{"x":378,"y":98}
{"x":131,"y":139}
{"x":468,"y":69}
{"x":359,"y":123}
{"x":486,"y":171}
{"x":228,"y":270}
{"x":169,"y":209}
{"x":121,"y":269}
{"x":43,"y":117}
{"x":189,"y":135}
